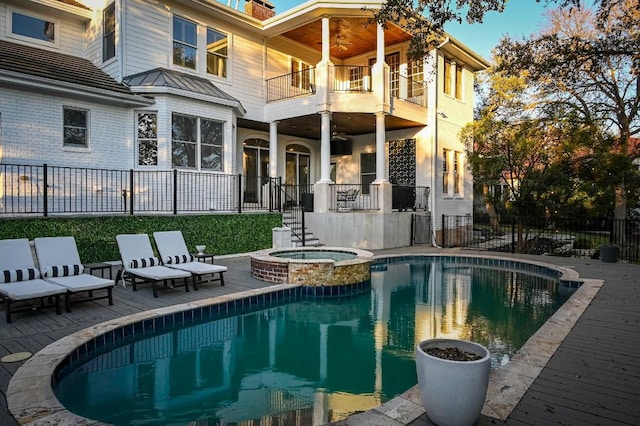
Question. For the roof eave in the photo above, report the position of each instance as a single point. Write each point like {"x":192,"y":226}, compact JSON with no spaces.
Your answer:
{"x":46,"y":85}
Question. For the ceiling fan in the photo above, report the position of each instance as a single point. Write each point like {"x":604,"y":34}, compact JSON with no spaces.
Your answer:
{"x":338,"y":136}
{"x":340,"y":44}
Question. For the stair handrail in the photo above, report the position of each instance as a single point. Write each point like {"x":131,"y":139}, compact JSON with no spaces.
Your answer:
{"x":291,"y":204}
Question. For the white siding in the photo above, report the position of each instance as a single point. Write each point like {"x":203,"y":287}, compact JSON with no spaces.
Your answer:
{"x":32,"y":132}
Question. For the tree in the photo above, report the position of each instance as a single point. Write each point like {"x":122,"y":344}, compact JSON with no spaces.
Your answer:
{"x":537,"y":158}
{"x":580,"y":66}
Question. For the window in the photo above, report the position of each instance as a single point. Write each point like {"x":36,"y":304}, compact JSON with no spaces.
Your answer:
{"x":300,"y":74}
{"x":416,"y":87}
{"x":109,"y":32}
{"x":75,"y":126}
{"x":217,"y":53}
{"x":457,"y":161}
{"x":211,"y":138}
{"x":447,"y":77}
{"x":367,"y":170}
{"x":445,"y":171}
{"x":452,"y":78}
{"x":184,"y":42}
{"x":458,"y":82}
{"x":29,"y":26}
{"x":196,"y":141}
{"x":147,"y":139}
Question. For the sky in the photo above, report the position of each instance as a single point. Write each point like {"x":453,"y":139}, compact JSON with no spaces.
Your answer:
{"x":520,"y":18}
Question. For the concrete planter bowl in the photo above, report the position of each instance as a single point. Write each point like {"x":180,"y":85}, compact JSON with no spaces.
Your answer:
{"x":452,"y":391}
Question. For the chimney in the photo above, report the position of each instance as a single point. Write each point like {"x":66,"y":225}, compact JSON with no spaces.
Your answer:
{"x":259,"y":9}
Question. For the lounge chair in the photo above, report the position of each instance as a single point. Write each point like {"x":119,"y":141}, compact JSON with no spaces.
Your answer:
{"x":60,"y":264}
{"x":140,"y":263}
{"x":20,"y":279}
{"x":174,"y":254}
{"x":346,"y":199}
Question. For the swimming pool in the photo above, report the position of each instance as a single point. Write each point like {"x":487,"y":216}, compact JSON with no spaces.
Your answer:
{"x":293,"y":356}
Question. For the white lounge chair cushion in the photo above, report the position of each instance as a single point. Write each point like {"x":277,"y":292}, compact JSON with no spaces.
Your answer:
{"x":31,"y":289}
{"x":144,"y":262}
{"x":199,"y":268}
{"x":181,"y":258}
{"x":13,"y":275}
{"x":82,"y":282}
{"x":158,"y":273}
{"x":62,"y":270}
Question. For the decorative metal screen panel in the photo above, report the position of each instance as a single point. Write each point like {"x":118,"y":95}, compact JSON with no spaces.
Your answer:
{"x":402,"y":161}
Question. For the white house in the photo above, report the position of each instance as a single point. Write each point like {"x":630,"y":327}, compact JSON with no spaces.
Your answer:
{"x":313,"y":95}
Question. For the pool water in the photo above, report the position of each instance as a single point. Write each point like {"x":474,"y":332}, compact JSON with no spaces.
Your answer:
{"x":309,"y":362}
{"x":315,"y":254}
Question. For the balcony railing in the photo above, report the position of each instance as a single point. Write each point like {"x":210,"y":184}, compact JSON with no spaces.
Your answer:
{"x":352,"y":78}
{"x":292,"y":85}
{"x":354,"y":197}
{"x":412,"y":91}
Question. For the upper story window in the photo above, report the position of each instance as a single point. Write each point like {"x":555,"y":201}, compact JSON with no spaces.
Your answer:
{"x":217,"y":50}
{"x":196,"y":140}
{"x":184,"y":42}
{"x":300,"y":74}
{"x":452,"y":78}
{"x":109,"y":32}
{"x":75,"y":127}
{"x":415,"y":71}
{"x":32,"y":27}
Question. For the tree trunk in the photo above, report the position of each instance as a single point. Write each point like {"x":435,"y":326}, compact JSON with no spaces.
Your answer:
{"x":493,"y":219}
{"x":619,"y":215}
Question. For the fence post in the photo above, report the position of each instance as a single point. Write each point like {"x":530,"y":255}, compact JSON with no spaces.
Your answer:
{"x":444,"y":231}
{"x":175,"y":191}
{"x":239,"y":193}
{"x":270,"y":194}
{"x":131,"y":192}
{"x":279,"y":196}
{"x":304,"y":237}
{"x":45,"y":201}
{"x":513,"y":234}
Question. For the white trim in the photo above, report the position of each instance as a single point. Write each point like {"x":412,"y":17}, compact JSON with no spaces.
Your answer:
{"x":30,"y":14}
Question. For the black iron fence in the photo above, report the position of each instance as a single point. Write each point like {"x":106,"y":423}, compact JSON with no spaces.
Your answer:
{"x":294,"y":84}
{"x":576,"y":237}
{"x":44,"y":190}
{"x":354,"y":197}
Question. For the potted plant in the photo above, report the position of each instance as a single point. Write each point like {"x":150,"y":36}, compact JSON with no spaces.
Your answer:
{"x":609,"y":253}
{"x":453,"y":376}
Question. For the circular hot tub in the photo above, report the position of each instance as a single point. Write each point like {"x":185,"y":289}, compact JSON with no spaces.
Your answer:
{"x":312,"y":266}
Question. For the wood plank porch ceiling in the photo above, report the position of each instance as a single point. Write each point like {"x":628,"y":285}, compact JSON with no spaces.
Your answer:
{"x":358,"y":35}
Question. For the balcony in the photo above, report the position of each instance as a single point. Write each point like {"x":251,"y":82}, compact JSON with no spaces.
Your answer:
{"x":347,"y":79}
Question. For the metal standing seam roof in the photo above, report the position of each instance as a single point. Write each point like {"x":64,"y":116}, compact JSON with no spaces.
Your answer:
{"x":161,"y":77}
{"x":23,"y":59}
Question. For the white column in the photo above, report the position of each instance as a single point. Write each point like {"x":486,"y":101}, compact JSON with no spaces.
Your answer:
{"x":325,"y":147}
{"x":326,"y":39}
{"x":381,"y":169}
{"x":380,"y":43}
{"x":273,"y":149}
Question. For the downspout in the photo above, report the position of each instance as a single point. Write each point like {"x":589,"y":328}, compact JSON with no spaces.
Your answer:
{"x":434,"y":157}
{"x":121,"y":38}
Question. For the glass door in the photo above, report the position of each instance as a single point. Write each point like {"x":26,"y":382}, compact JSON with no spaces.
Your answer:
{"x":256,"y":168}
{"x":297,"y":171}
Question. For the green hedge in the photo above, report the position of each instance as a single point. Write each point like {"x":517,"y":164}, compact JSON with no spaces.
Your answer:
{"x":96,"y":235}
